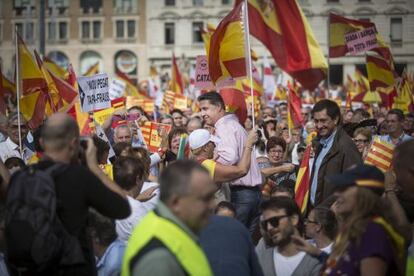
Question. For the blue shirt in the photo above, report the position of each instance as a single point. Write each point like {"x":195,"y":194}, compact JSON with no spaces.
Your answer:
{"x":111,"y":262}
{"x":387,"y":138}
{"x":326,"y":144}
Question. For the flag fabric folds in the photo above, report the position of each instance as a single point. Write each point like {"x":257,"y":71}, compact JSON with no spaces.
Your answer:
{"x":226,"y":51}
{"x":235,"y":102}
{"x":294,"y":106}
{"x":302,"y":184}
{"x":93,"y":70}
{"x":177,"y":84}
{"x":380,"y":155}
{"x":282,"y":27}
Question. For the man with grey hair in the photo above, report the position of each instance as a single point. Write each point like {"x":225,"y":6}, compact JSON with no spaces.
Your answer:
{"x":77,"y":189}
{"x":122,"y":133}
{"x":165,"y":241}
{"x":10,"y":147}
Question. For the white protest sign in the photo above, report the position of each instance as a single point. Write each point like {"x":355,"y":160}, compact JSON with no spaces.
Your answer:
{"x":116,"y":89}
{"x":94,"y":92}
{"x":361,"y":41}
{"x":202,"y":77}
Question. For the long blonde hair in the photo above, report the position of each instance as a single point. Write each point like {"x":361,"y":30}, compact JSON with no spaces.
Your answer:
{"x":368,"y":204}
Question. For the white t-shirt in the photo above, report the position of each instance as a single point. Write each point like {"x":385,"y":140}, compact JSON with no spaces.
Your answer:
{"x":327,"y":249}
{"x":125,"y":227}
{"x":285,"y":266}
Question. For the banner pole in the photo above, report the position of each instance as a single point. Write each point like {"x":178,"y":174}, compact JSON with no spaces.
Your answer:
{"x":249,"y":56}
{"x":18,"y":86}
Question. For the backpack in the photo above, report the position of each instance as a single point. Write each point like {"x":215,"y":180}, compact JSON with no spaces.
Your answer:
{"x":36,"y":239}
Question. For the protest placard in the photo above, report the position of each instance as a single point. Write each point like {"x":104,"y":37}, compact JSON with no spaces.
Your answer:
{"x":202,"y":77}
{"x":116,"y":89}
{"x":155,"y":138}
{"x":180,"y":102}
{"x":361,"y":41}
{"x":102,"y":115}
{"x":94,"y":92}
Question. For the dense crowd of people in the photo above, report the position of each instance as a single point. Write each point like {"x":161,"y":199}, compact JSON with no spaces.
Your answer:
{"x":228,"y":208}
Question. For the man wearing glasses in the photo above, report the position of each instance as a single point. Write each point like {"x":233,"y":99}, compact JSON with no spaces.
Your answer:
{"x":277,"y":252}
{"x":10,"y":147}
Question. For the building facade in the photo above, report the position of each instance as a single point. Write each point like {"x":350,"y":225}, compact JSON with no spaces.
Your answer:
{"x":82,"y":32}
{"x":132,"y":35}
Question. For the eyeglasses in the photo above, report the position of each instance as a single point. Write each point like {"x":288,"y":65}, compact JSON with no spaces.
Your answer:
{"x":274,"y":221}
{"x":307,"y":221}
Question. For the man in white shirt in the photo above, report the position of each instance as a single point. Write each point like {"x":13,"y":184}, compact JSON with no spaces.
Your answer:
{"x":129,"y":174}
{"x":10,"y":147}
{"x":394,"y":121}
{"x":277,"y":252}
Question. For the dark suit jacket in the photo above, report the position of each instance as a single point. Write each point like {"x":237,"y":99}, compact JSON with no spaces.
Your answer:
{"x":340,"y":157}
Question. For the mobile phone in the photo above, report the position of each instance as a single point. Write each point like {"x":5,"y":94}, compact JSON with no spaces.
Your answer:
{"x":133,"y":116}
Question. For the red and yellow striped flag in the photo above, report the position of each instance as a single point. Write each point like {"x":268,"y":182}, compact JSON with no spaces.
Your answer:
{"x":177,"y":84}
{"x":302,"y":185}
{"x":404,"y":100}
{"x":294,"y":106}
{"x":283,"y":28}
{"x":380,"y":155}
{"x":235,"y":102}
{"x":226,"y":51}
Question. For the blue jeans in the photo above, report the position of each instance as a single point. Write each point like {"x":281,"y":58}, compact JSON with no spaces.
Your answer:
{"x":247,"y":202}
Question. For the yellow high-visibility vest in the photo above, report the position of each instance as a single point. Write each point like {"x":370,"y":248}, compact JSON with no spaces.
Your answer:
{"x":189,"y":254}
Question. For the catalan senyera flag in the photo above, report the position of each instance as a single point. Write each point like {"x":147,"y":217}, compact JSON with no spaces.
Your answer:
{"x":361,"y":86}
{"x":93,"y":70}
{"x":283,"y":28}
{"x":226,"y":53}
{"x":302,"y":185}
{"x":31,"y":77}
{"x":177,"y":84}
{"x":380,"y":155}
{"x":168,"y":101}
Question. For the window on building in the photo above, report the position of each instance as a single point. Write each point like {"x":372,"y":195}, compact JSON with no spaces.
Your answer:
{"x":91,"y":5}
{"x":29,"y":32}
{"x":26,"y":31}
{"x":332,"y":1}
{"x":59,"y":58}
{"x":125,"y":28}
{"x":198,"y":2}
{"x":169,"y":2}
{"x":63,"y":30}
{"x":125,"y":5}
{"x":96,"y":29}
{"x":51,"y":31}
{"x":19,"y":28}
{"x":169,"y":33}
{"x":197,"y":27}
{"x":58,"y":6}
{"x":131,"y":28}
{"x":86,"y":29}
{"x":225,"y":2}
{"x":23,"y":7}
{"x":364,"y":0}
{"x":396,"y":30}
{"x":364,"y":19}
{"x":1,"y":33}
{"x":119,"y":29}
{"x":57,"y":31}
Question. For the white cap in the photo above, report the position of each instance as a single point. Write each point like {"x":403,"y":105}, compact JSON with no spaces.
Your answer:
{"x":201,"y":137}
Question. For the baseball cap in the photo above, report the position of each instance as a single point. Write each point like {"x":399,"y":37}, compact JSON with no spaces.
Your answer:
{"x":365,"y":176}
{"x":201,"y":137}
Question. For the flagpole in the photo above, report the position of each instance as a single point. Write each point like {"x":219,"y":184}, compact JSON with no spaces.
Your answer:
{"x":249,"y":56}
{"x":329,"y":39}
{"x":17,"y":61}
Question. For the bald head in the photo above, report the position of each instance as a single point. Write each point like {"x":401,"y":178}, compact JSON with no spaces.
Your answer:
{"x":58,"y":132}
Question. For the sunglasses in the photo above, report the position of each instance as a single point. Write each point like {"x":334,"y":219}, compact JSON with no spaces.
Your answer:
{"x":274,"y":221}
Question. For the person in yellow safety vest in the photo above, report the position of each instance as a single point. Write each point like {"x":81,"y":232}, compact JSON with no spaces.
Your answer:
{"x":165,"y":241}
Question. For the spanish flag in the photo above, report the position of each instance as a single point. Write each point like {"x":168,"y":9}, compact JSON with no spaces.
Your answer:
{"x":30,"y":75}
{"x":6,"y":86}
{"x":294,"y":106}
{"x":404,"y":100}
{"x":55,"y":68}
{"x":381,"y":79}
{"x":235,"y":102}
{"x":302,"y":185}
{"x":226,"y":51}
{"x":339,"y":26}
{"x":282,"y":27}
{"x":131,"y":88}
{"x":176,"y":84}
